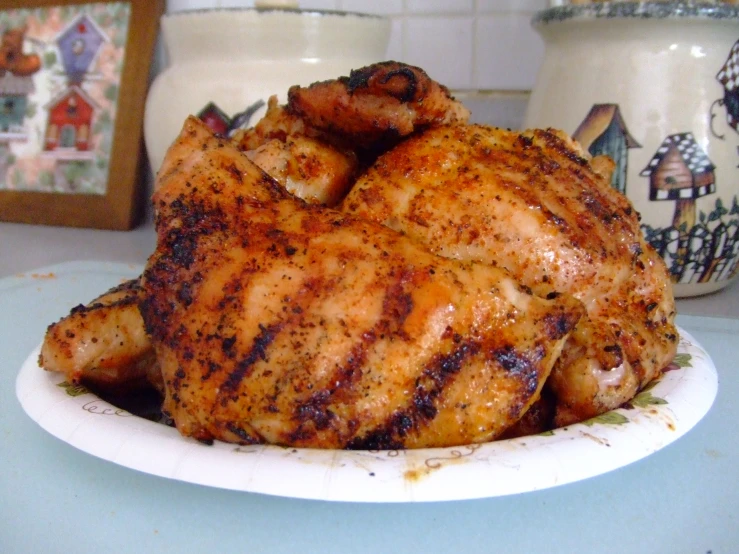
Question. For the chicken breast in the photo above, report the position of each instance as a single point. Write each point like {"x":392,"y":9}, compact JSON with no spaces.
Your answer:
{"x":282,"y":322}
{"x":531,"y":203}
{"x":103,"y":343}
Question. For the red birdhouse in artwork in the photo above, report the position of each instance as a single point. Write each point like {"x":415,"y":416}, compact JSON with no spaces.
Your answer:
{"x":70,"y":120}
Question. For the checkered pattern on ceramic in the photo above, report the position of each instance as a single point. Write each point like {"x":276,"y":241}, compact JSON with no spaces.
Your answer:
{"x":729,"y":74}
{"x":691,"y":153}
{"x":675,"y":194}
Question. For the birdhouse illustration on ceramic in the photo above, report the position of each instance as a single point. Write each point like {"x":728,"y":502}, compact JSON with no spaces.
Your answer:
{"x":16,"y":83}
{"x":680,"y":171}
{"x":71,"y":115}
{"x":728,"y":76}
{"x":215,"y":118}
{"x":698,"y":247}
{"x":79,"y":45}
{"x":221,"y":123}
{"x":604,"y":132}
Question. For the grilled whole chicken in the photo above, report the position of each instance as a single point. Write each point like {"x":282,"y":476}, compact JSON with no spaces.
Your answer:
{"x":531,"y":203}
{"x":294,"y":324}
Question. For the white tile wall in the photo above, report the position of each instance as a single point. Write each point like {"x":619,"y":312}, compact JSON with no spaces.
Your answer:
{"x":512,"y":66}
{"x":443,"y":46}
{"x":439,"y":6}
{"x":384,"y":7}
{"x":465,"y":44}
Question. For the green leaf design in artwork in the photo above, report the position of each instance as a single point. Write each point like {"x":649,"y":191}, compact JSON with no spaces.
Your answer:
{"x":683,"y":360}
{"x":111,"y":93}
{"x":50,"y":59}
{"x":73,"y":390}
{"x":645,"y":399}
{"x":608,"y":418}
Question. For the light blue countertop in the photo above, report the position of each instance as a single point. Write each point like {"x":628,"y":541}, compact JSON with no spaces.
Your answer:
{"x":56,"y":499}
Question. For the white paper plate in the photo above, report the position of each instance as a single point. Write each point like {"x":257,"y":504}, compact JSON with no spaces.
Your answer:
{"x":656,"y":417}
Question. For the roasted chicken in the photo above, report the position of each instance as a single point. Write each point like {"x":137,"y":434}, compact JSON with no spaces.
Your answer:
{"x":474,"y":284}
{"x":281,"y":322}
{"x":531,"y":203}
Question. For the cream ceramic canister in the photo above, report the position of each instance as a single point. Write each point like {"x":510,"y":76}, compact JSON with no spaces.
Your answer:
{"x":656,"y":87}
{"x":224,"y":63}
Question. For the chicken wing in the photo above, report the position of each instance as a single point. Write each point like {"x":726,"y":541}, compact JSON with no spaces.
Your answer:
{"x":376,"y":105}
{"x":531,"y":203}
{"x":104,"y":343}
{"x":282,"y":322}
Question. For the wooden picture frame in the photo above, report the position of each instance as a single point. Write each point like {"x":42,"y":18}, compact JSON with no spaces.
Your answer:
{"x":71,"y":182}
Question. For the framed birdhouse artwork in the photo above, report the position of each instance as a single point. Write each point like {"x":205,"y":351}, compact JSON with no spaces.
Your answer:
{"x":73,"y":83}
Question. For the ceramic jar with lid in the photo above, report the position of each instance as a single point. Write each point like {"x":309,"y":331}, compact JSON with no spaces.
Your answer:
{"x":656,"y":87}
{"x":223,"y":61}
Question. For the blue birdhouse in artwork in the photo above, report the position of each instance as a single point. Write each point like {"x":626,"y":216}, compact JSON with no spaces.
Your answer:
{"x":79,"y":45}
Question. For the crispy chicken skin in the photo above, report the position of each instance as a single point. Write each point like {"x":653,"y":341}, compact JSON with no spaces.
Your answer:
{"x":531,"y":203}
{"x":282,"y":322}
{"x":376,"y":105}
{"x":104,"y":343}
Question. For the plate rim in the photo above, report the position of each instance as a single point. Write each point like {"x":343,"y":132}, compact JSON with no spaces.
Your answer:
{"x":436,"y":474}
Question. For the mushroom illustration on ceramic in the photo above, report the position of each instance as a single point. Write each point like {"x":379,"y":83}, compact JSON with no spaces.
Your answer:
{"x":728,"y":76}
{"x":604,"y":132}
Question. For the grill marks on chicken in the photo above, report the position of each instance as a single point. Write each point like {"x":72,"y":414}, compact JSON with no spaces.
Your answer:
{"x":275,"y":321}
{"x":531,"y":203}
